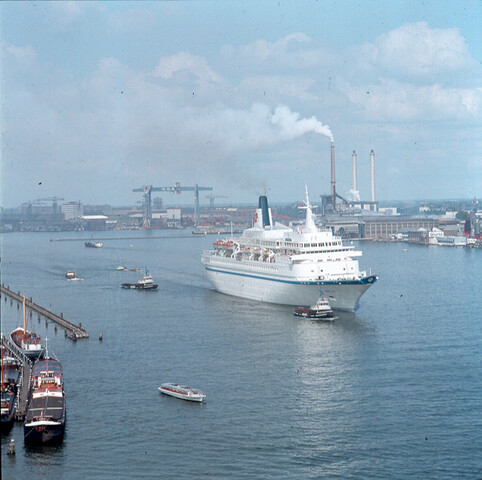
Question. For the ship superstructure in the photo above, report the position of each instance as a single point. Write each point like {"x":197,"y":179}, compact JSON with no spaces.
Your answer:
{"x":274,"y":263}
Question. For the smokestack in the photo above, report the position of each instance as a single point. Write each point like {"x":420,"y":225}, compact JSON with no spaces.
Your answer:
{"x":372,"y":171}
{"x":333,"y":182}
{"x":263,"y":204}
{"x":353,"y":160}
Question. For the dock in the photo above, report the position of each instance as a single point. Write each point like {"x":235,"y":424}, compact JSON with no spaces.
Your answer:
{"x":72,"y":331}
{"x":25,"y":383}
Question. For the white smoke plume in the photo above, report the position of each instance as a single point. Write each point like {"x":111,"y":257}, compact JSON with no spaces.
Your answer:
{"x":292,"y":126}
{"x":355,"y":194}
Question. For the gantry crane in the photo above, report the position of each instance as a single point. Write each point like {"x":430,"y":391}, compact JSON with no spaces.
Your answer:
{"x":148,"y":189}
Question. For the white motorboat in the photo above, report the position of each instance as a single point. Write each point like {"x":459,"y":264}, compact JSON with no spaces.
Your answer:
{"x":183,"y":392}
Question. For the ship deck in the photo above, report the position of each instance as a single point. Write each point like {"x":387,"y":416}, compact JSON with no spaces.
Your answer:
{"x":47,"y":407}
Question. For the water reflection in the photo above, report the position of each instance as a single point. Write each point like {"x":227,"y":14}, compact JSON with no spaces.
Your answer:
{"x":44,"y":454}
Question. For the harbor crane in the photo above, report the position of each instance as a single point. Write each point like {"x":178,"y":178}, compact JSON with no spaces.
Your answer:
{"x":177,"y":188}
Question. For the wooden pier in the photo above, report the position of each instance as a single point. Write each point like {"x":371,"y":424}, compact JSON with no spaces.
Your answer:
{"x":72,"y":331}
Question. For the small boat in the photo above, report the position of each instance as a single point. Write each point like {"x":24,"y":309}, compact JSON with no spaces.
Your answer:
{"x":183,"y":392}
{"x":135,"y":269}
{"x":72,"y":276}
{"x":320,"y":310}
{"x":146,"y":283}
{"x":28,"y":343}
{"x":45,"y":418}
{"x":120,"y":268}
{"x":92,"y":244}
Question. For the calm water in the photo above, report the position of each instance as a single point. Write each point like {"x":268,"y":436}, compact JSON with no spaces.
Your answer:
{"x":391,"y":392}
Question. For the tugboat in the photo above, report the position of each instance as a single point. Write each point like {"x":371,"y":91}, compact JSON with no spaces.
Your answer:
{"x":146,"y":283}
{"x":29,"y":343}
{"x":321,"y":310}
{"x":45,"y":419}
{"x":183,"y":392}
{"x":92,"y":244}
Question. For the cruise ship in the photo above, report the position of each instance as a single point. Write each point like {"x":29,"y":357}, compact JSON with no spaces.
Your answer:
{"x":274,"y":263}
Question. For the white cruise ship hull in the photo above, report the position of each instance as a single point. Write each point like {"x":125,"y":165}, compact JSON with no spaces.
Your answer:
{"x":285,"y":290}
{"x":274,"y":263}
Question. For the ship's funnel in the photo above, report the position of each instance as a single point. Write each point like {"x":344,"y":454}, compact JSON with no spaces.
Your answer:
{"x":263,"y":204}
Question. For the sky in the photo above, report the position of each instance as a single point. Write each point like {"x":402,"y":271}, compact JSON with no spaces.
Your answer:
{"x":98,"y":98}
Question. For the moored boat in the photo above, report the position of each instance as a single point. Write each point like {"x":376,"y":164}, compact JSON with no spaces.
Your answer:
{"x":321,"y":310}
{"x":120,"y":268}
{"x":183,"y":392}
{"x":46,"y":414}
{"x":145,"y":283}
{"x":29,"y":343}
{"x":10,"y":379}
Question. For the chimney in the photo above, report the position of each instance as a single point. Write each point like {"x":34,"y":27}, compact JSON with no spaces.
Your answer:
{"x":333,"y":182}
{"x":355,"y":189}
{"x":372,"y":172}
{"x":263,"y":204}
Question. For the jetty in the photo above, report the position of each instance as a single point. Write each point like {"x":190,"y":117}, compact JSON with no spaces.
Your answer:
{"x":25,"y":383}
{"x":72,"y":331}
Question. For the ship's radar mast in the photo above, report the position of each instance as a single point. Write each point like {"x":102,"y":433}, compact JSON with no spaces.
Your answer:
{"x":310,"y":226}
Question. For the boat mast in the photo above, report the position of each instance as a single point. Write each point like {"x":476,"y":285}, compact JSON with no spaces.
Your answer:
{"x":24,"y":314}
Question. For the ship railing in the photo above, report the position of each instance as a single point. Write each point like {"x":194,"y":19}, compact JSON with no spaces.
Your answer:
{"x":15,"y":350}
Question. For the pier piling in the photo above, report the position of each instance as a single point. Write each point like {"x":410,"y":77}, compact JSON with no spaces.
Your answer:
{"x":74,"y":331}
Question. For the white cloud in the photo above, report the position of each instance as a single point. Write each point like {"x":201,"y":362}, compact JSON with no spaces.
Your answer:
{"x":297,"y":87}
{"x":169,"y":66}
{"x":242,"y":116}
{"x":295,"y":50}
{"x":397,"y":101}
{"x":417,"y":49}
{"x":261,"y":49}
{"x":22,"y":54}
{"x":66,"y":13}
{"x":131,"y":21}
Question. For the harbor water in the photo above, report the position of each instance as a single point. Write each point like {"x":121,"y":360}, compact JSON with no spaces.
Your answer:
{"x":392,"y":391}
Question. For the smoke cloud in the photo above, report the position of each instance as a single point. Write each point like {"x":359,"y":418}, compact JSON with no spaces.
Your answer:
{"x":354,"y":194}
{"x":292,"y":126}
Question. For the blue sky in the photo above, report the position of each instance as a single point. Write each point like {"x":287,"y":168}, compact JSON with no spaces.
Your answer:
{"x":102,"y":97}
